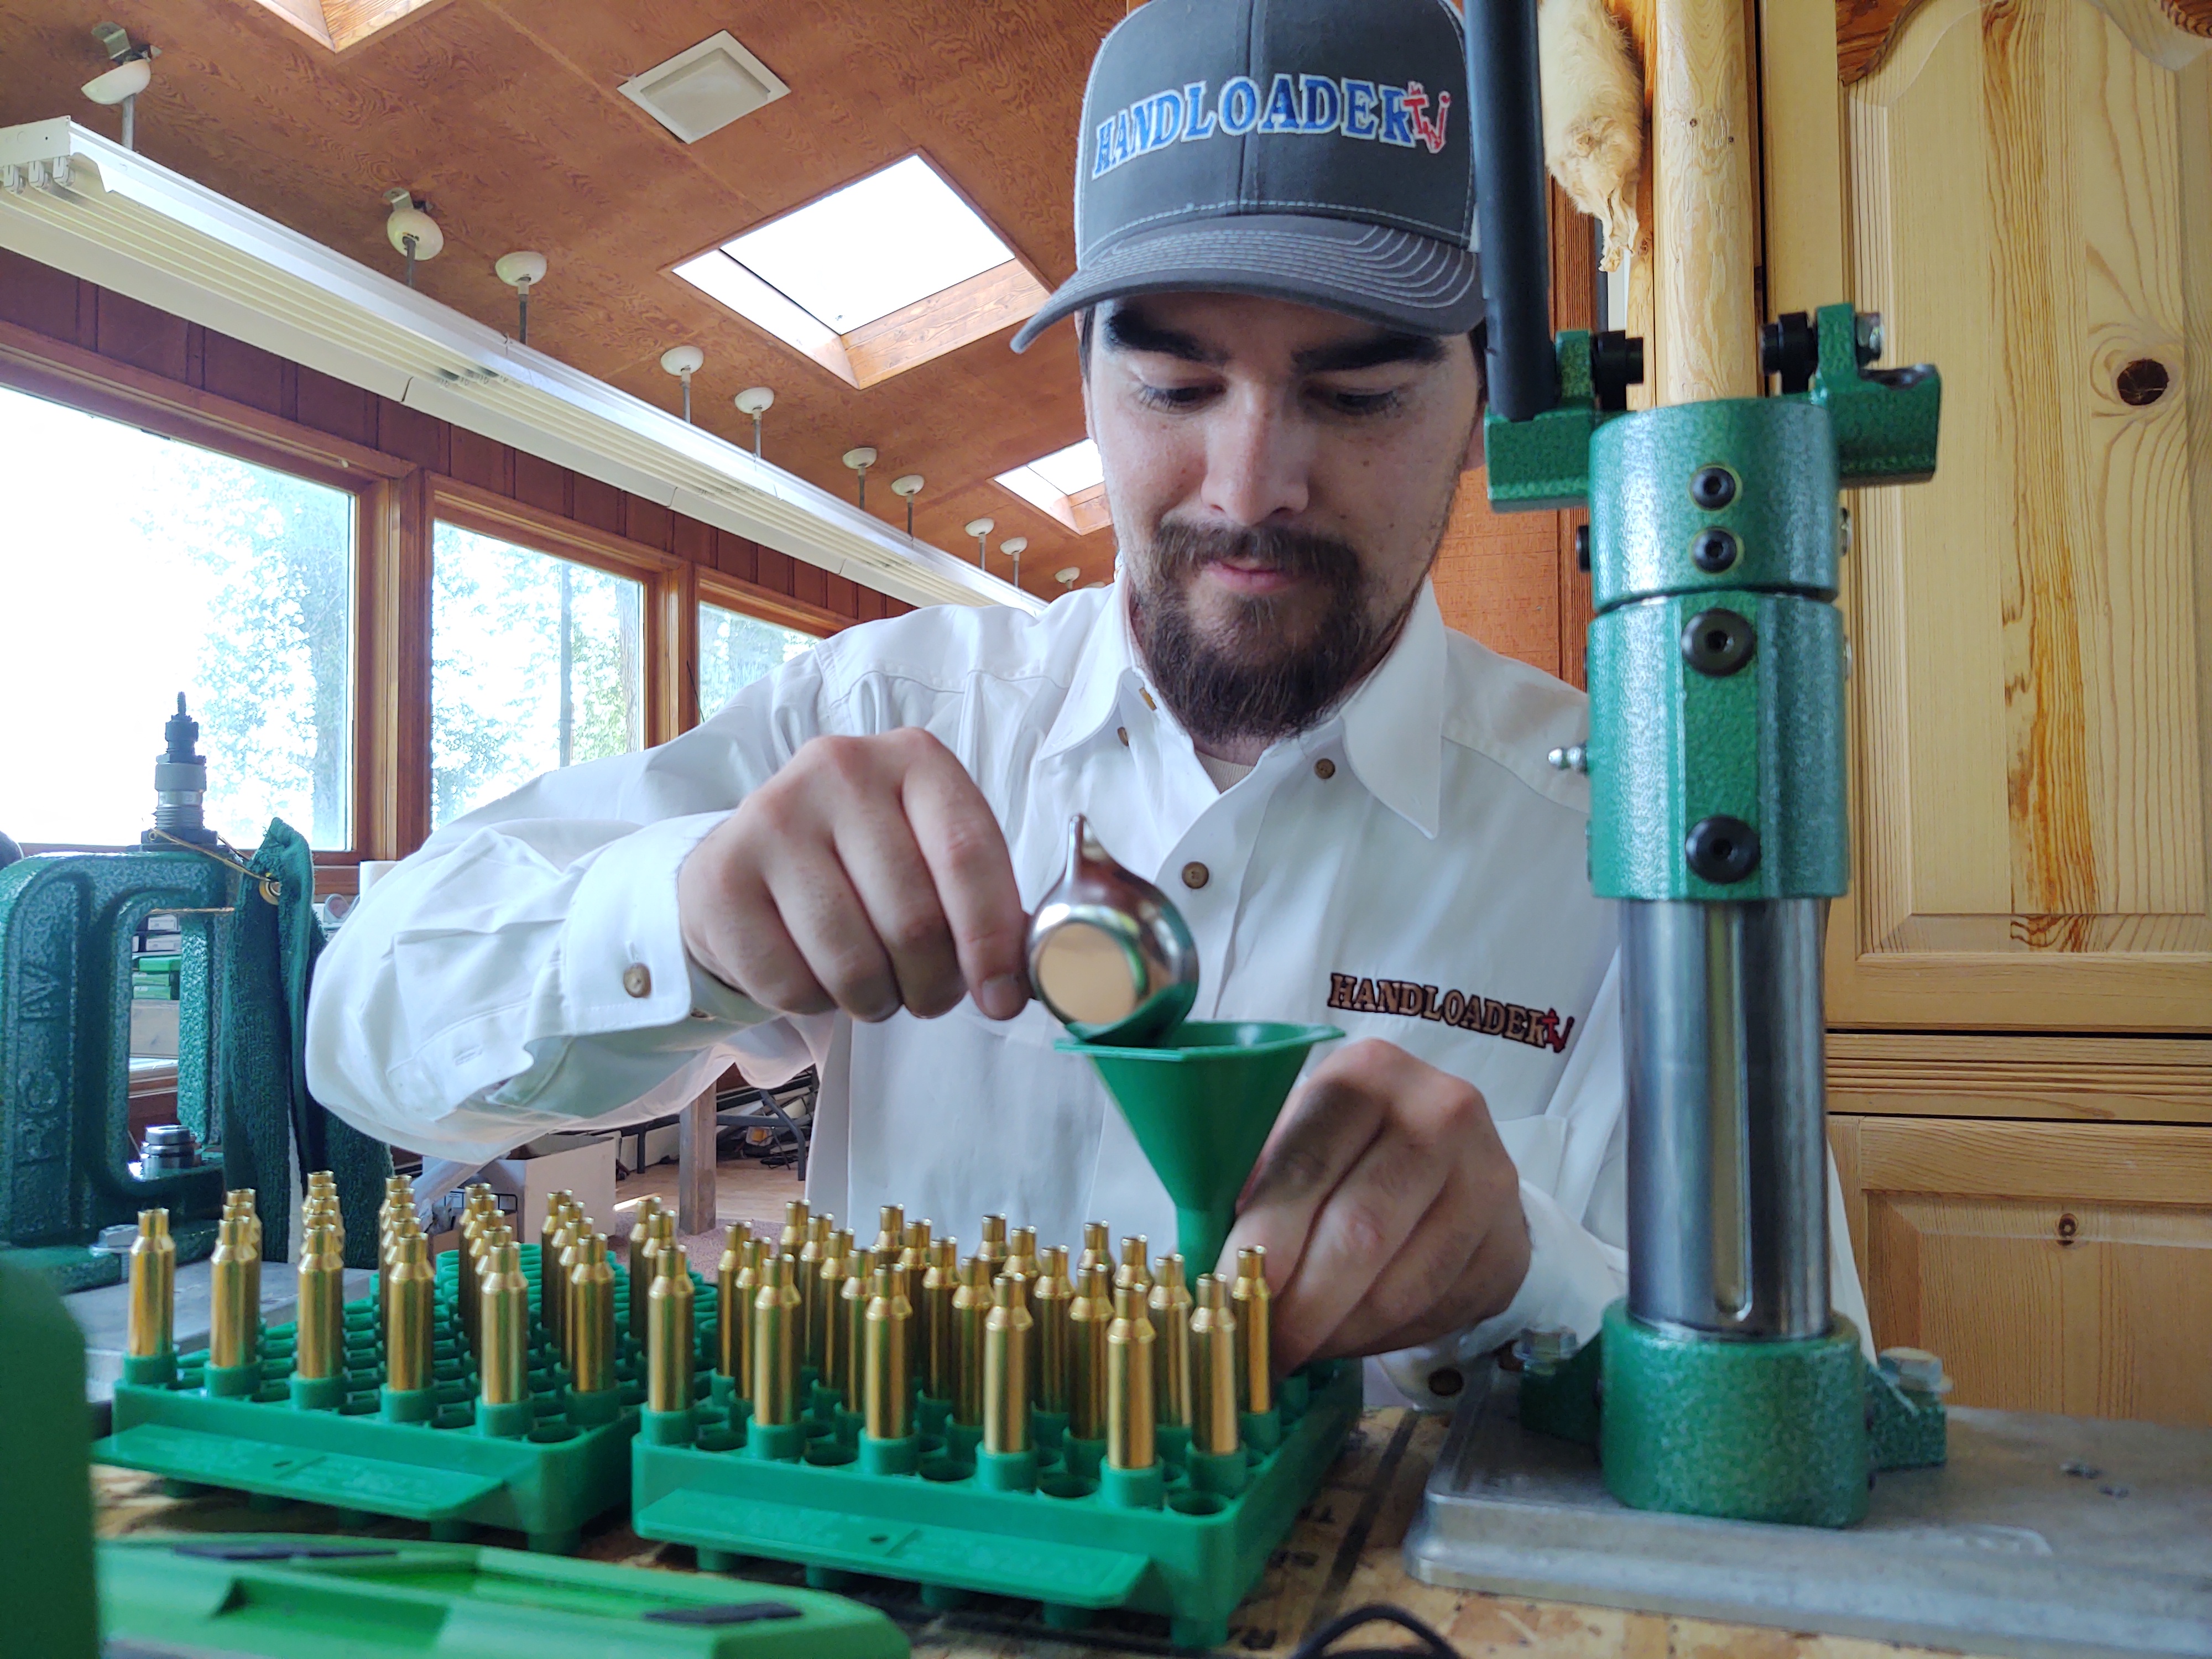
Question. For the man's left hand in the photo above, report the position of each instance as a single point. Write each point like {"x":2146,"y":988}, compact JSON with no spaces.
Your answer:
{"x":1389,"y":1209}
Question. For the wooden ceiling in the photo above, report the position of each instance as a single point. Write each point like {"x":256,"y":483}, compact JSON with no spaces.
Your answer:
{"x":503,"y":114}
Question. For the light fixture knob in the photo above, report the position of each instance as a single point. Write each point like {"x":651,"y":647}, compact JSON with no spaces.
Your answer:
{"x":755,"y":400}
{"x":979,"y":527}
{"x":126,"y":80}
{"x":683,"y":360}
{"x":1067,"y":577}
{"x":520,"y":269}
{"x":860,"y":459}
{"x":907,"y":485}
{"x":1014,"y":544}
{"x":407,"y":220}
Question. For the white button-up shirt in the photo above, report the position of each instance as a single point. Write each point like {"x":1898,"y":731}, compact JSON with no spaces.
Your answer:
{"x":1411,"y":869}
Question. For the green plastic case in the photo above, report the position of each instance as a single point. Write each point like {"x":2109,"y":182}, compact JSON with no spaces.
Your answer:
{"x":451,"y":1471}
{"x":296,"y":1596}
{"x":1182,"y":1541}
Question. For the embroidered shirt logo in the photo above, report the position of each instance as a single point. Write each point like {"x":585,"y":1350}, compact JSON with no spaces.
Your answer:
{"x":1308,"y":103}
{"x":1540,"y":1028}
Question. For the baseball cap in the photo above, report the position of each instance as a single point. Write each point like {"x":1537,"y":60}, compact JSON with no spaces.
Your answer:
{"x":1311,"y":150}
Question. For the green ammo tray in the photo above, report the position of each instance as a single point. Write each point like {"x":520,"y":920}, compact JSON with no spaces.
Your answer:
{"x":295,"y":1596}
{"x":1067,"y":1544}
{"x":546,"y":1483}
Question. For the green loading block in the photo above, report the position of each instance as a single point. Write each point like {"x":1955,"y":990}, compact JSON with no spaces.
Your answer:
{"x":567,"y":1467}
{"x":1184,"y":1540}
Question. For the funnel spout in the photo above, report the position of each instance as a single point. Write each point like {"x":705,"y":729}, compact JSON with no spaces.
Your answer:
{"x":1200,"y":1104}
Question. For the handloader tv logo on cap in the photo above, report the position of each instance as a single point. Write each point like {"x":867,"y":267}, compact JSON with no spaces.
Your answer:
{"x":1309,"y":103}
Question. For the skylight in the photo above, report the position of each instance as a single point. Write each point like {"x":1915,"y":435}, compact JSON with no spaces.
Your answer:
{"x":839,"y":278}
{"x":1069,"y":483}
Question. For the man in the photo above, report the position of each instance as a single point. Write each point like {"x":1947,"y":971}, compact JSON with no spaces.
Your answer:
{"x":1350,"y":804}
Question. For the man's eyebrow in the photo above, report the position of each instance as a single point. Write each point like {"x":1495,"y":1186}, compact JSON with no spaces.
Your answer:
{"x":1371,"y":352}
{"x":1129,"y":329}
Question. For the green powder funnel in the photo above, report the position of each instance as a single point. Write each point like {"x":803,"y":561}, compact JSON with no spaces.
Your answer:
{"x":1201,"y":1104}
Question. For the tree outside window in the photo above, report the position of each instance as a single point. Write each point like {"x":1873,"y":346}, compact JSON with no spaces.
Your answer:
{"x":735,"y":650}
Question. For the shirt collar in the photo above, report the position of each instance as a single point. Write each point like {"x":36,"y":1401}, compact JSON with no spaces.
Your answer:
{"x":1109,"y":656}
{"x":1393,"y":721}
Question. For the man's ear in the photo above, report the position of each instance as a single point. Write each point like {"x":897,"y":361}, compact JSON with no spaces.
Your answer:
{"x":1476,"y":453}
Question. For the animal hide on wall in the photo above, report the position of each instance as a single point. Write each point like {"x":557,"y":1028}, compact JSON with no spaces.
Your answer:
{"x":1595,"y":105}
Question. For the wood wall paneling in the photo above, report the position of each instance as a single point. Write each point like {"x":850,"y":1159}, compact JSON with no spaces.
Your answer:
{"x":2033,"y":708}
{"x":2094,"y":1079}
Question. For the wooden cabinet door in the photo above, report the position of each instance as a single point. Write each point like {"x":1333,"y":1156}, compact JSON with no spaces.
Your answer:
{"x":2025,"y":195}
{"x":2054,"y":1266}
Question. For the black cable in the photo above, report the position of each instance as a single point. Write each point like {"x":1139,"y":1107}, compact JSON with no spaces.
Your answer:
{"x":1316,"y":1645}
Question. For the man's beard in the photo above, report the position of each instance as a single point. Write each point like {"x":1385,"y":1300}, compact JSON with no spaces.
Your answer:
{"x":1253,"y":676}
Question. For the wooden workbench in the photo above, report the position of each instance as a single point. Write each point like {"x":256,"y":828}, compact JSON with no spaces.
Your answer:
{"x":1344,"y":1554}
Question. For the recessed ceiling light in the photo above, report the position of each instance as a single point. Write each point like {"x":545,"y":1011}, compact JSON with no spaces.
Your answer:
{"x":841,"y":279}
{"x":703,"y":90}
{"x":1069,"y":483}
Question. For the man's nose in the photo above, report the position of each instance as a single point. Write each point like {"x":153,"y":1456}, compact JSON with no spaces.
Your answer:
{"x":1258,"y":464}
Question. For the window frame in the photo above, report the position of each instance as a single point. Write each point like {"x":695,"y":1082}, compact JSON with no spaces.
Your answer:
{"x":739,"y":597}
{"x":85,"y":381}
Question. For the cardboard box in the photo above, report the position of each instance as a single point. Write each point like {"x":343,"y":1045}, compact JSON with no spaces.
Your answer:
{"x":526,"y":1179}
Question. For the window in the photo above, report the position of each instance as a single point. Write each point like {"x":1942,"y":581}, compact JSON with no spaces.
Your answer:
{"x":887,"y":272}
{"x":1069,"y":483}
{"x":735,"y":650}
{"x":231,"y":582}
{"x":536,"y":662}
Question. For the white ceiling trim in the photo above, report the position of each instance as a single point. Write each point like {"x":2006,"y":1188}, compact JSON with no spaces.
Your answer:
{"x":79,"y":202}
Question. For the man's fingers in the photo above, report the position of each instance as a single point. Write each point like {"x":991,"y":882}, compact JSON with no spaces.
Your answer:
{"x":831,"y":927}
{"x":1324,"y":1130}
{"x":1410,"y":1300}
{"x":974,"y":877}
{"x":887,"y":870}
{"x":1362,"y":1226}
{"x":746,"y":944}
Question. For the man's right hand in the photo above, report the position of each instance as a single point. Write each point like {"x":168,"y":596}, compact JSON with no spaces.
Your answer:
{"x":868,"y":874}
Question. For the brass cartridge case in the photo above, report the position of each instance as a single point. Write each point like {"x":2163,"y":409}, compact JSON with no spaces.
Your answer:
{"x":1135,"y":1270}
{"x":852,"y":1320}
{"x":553,"y":1279}
{"x":404,"y":1226}
{"x":1021,"y":1254}
{"x":775,"y":1347}
{"x":1214,"y":1369}
{"x":994,"y":1247}
{"x":504,"y":1372}
{"x":807,"y":1274}
{"x":639,"y":1265}
{"x":153,"y":1313}
{"x":891,"y":1232}
{"x":239,"y":1202}
{"x":1255,"y":1376}
{"x":971,"y":1307}
{"x":1171,"y":1309}
{"x":1007,"y":1343}
{"x":794,"y":1227}
{"x":826,"y":1331}
{"x":320,"y":1330}
{"x":736,"y":1336}
{"x":672,"y":1344}
{"x":591,"y":1317}
{"x":234,"y":1318}
{"x":887,"y":1383}
{"x":1095,"y":1252}
{"x":1089,"y":1316}
{"x":557,"y":1210}
{"x":412,"y":1338}
{"x":1049,"y":1297}
{"x":560,"y":1291}
{"x":914,"y":1256}
{"x":1130,"y":1417}
{"x":940,"y":1279}
{"x":729,"y":1300}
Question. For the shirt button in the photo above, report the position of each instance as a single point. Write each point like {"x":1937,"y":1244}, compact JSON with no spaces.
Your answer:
{"x":1122,"y":732}
{"x":1194,"y":874}
{"x":637,"y":979}
{"x":1324,"y":767}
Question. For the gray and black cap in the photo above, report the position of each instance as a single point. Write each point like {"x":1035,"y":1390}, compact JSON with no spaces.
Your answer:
{"x":1310,"y":150}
